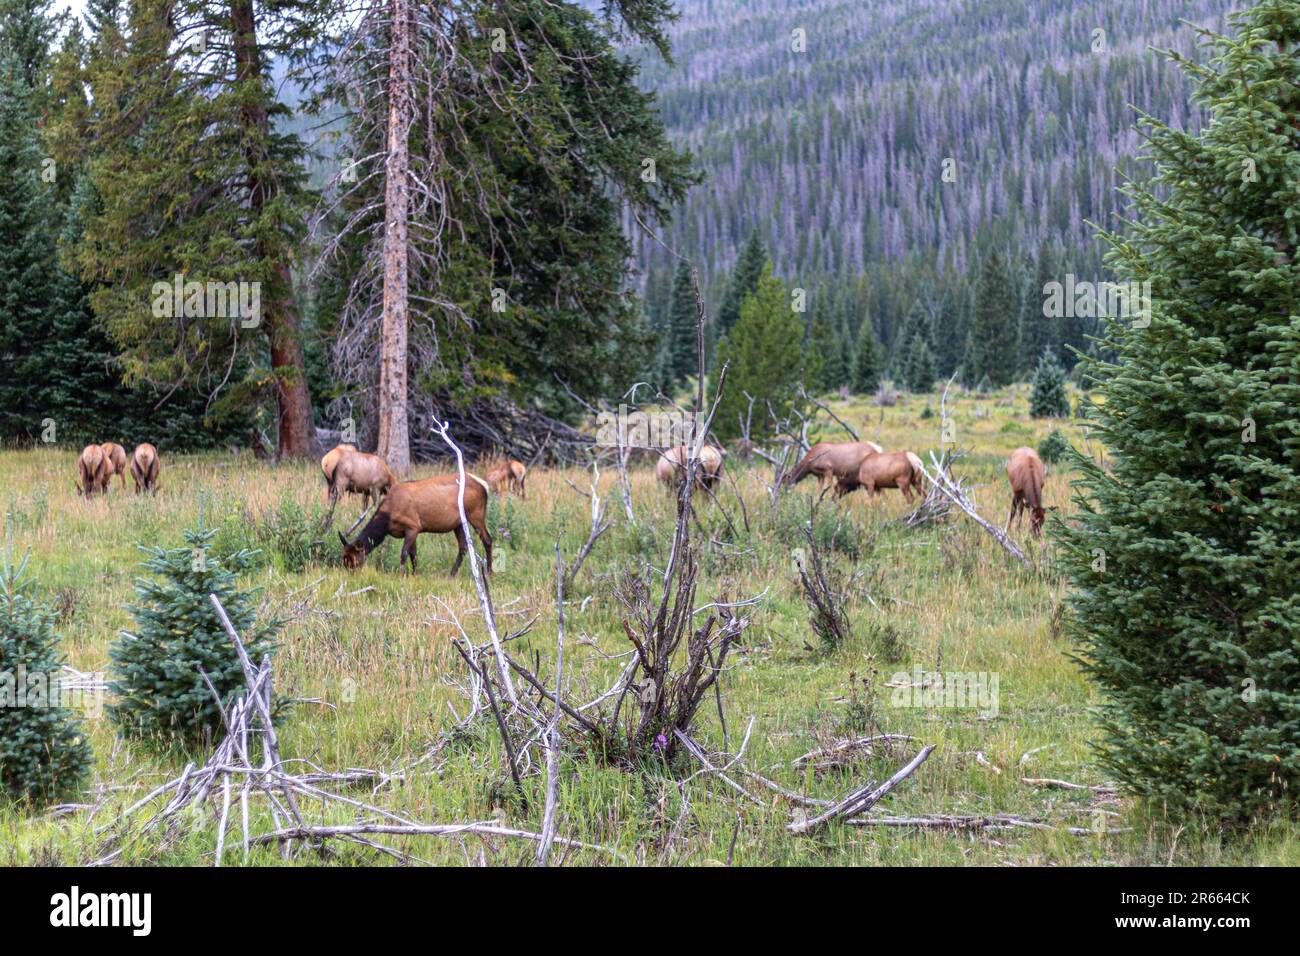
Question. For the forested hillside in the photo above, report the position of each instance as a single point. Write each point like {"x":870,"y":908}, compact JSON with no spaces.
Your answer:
{"x":836,"y":154}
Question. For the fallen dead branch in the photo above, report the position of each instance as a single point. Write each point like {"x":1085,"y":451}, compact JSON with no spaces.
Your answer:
{"x":862,"y":799}
{"x":940,"y":480}
{"x":233,"y":776}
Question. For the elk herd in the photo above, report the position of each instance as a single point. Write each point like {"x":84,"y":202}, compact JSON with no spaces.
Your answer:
{"x":407,"y":509}
{"x":99,"y":463}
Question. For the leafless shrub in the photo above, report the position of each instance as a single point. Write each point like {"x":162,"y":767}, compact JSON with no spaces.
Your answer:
{"x":823,"y":592}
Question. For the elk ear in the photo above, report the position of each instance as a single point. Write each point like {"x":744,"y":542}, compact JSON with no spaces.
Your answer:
{"x":343,"y":539}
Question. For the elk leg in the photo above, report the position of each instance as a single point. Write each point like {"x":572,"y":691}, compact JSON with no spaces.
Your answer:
{"x":408,"y":546}
{"x":461,"y":548}
{"x":481,"y":527}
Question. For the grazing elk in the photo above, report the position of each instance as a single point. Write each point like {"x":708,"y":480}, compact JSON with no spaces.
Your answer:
{"x":361,"y":473}
{"x":115,"y":454}
{"x":833,"y":461}
{"x":94,"y":469}
{"x":145,"y":468}
{"x":328,"y":463}
{"x":412,"y":508}
{"x":671,"y":467}
{"x":509,"y":475}
{"x":887,"y":470}
{"x":918,"y":473}
{"x":1025,"y":471}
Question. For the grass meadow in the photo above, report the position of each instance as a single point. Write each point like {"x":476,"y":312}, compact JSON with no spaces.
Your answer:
{"x":369,"y":656}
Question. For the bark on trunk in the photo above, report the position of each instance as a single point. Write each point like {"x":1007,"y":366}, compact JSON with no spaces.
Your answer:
{"x":297,"y":430}
{"x":394,"y":435}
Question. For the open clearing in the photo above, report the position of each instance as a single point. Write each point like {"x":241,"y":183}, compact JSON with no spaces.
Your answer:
{"x":370,"y":653}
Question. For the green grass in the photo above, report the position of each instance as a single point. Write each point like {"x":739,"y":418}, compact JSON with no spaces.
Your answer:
{"x":944,"y":592}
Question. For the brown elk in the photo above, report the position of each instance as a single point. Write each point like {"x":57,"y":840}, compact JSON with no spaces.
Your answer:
{"x":887,"y":470}
{"x":832,"y":461}
{"x":94,"y":469}
{"x":1026,"y":471}
{"x":510,"y":475}
{"x":361,"y":473}
{"x":918,"y":473}
{"x":145,"y":468}
{"x":412,"y":508}
{"x":672,"y":464}
{"x":116,"y":457}
{"x":329,"y":461}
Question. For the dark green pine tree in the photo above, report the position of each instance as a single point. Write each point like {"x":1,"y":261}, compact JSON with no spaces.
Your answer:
{"x":680,"y":344}
{"x":765,"y":358}
{"x":1038,"y":331}
{"x":818,"y":340}
{"x":868,"y":360}
{"x":822,"y":364}
{"x":161,"y":694}
{"x":743,"y":281}
{"x":43,"y":753}
{"x":27,"y":30}
{"x":915,"y":324}
{"x":1049,"y":398}
{"x":26,"y":271}
{"x":1184,"y":553}
{"x":918,"y":366}
{"x":81,"y":385}
{"x":164,"y":123}
{"x":993,"y":331}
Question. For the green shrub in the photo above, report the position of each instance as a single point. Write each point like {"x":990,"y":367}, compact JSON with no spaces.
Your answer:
{"x":290,"y":537}
{"x":832,"y":527}
{"x":1049,"y":398}
{"x":160,"y":693}
{"x":43,"y":753}
{"x":1054,"y":447}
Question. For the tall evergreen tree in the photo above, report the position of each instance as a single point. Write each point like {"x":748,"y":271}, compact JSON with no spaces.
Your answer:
{"x":26,"y":273}
{"x":192,"y":102}
{"x":868,"y":360}
{"x":918,"y":366}
{"x":1184,"y":555}
{"x":824,"y":363}
{"x":1038,"y":331}
{"x":993,"y":325}
{"x":744,"y":278}
{"x":763,"y":350}
{"x":681,"y":346}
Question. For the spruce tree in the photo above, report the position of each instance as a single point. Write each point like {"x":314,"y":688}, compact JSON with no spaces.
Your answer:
{"x":918,"y":366}
{"x":868,"y":360}
{"x":26,"y":275}
{"x":1184,"y":556}
{"x":743,"y":281}
{"x":993,"y":327}
{"x":821,"y":368}
{"x":161,"y":693}
{"x":43,"y":753}
{"x":1049,"y":398}
{"x":683,"y":357}
{"x":763,"y":350}
{"x":166,"y":121}
{"x":1038,"y":331}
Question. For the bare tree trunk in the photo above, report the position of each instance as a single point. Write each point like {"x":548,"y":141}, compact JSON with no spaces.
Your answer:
{"x":394,"y":443}
{"x":297,"y":431}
